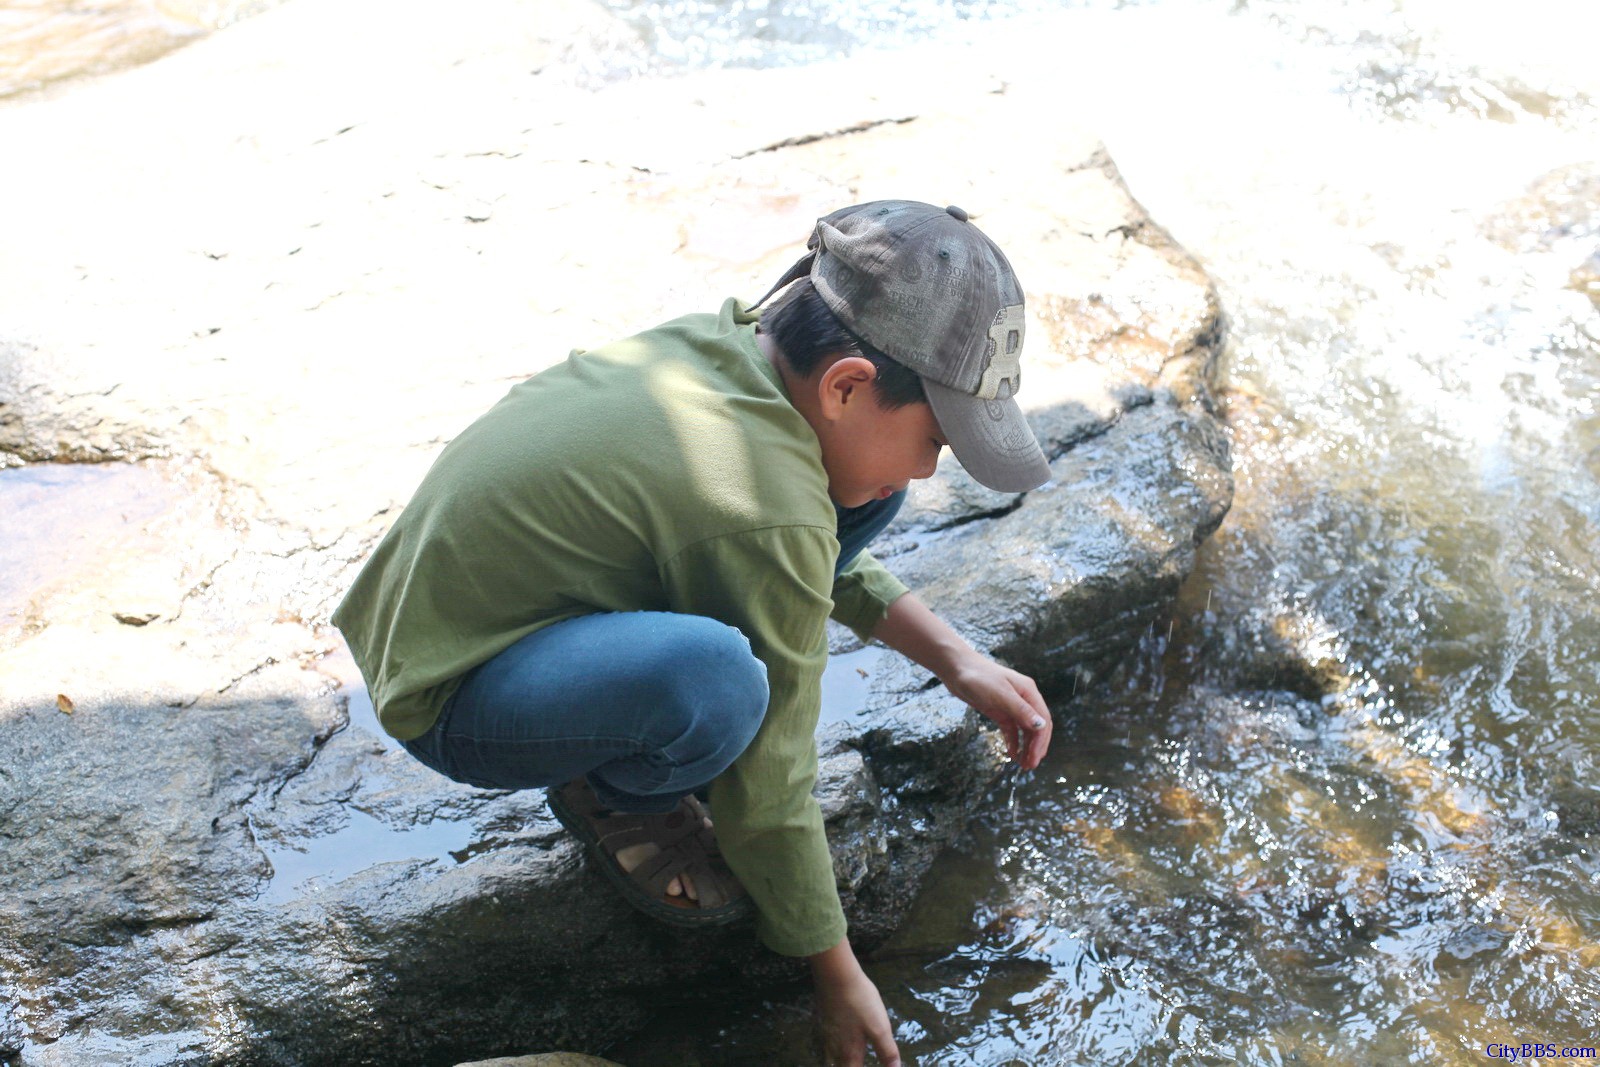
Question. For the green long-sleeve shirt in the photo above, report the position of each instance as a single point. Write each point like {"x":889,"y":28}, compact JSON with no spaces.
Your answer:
{"x":664,"y":472}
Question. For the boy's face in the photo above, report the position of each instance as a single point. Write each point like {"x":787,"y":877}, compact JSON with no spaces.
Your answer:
{"x":868,"y":450}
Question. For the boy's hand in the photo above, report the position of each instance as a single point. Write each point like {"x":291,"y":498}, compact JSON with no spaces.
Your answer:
{"x":850,"y":1012}
{"x":1011,"y":699}
{"x":1000,"y":693}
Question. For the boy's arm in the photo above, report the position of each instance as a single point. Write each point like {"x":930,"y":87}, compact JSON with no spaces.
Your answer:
{"x":862,"y":593}
{"x":773,"y":584}
{"x":850,"y":1010}
{"x":876,"y":604}
{"x":1008,"y":697}
{"x":848,"y":1004}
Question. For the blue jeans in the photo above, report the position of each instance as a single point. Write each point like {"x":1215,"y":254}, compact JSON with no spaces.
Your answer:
{"x":649,"y":705}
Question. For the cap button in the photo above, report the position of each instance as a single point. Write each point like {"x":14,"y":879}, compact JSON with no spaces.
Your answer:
{"x":956,"y":213}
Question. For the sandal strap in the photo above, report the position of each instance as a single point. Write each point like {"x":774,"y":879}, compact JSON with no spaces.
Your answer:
{"x":580,"y":796}
{"x":657,"y":872}
{"x":685,"y":855}
{"x":708,"y":839}
{"x":619,"y":830}
{"x":715,"y":887}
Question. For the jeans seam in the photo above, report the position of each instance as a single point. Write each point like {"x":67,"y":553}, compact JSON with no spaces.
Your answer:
{"x":451,"y":761}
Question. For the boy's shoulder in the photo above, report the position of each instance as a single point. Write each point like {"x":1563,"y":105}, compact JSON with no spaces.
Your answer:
{"x":720,"y":340}
{"x":723,"y":431}
{"x":687,"y":418}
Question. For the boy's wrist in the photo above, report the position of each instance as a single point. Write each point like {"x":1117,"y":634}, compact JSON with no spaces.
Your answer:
{"x":957,"y":660}
{"x":835,"y":964}
{"x":914,"y":631}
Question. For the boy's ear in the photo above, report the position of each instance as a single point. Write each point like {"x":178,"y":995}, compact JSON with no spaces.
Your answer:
{"x":846,"y":380}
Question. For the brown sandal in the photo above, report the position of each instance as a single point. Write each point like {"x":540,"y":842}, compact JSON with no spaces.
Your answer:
{"x":687,"y":847}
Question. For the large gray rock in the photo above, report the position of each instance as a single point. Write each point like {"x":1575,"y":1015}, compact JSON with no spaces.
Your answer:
{"x":280,"y":276}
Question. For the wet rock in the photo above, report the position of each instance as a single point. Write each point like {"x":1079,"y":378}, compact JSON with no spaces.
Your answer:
{"x":217,"y":858}
{"x":1278,"y":657}
{"x":546,"y":1059}
{"x":11,"y":1036}
{"x":1468,"y":941}
{"x":1562,"y":206}
{"x":1586,"y":278}
{"x":1578,"y":811}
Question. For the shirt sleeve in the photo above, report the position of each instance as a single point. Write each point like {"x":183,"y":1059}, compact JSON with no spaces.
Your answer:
{"x":773,"y":585}
{"x":862,"y":594}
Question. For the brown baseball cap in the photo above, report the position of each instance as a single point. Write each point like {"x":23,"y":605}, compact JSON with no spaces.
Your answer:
{"x":928,"y":289}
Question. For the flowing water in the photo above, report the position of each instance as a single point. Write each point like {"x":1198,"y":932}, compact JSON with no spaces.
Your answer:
{"x":1342,"y":807}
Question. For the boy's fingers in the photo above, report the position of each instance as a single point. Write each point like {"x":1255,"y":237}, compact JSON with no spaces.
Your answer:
{"x":1029,"y":721}
{"x":1036,"y":748}
{"x":883,"y":1044}
{"x":1031,"y":696}
{"x":1034,"y":716}
{"x":1023,"y":718}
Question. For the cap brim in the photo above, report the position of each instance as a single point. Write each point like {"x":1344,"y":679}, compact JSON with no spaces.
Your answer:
{"x":991,"y":438}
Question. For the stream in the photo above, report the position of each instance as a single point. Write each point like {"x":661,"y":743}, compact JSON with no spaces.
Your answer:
{"x":1342,"y":807}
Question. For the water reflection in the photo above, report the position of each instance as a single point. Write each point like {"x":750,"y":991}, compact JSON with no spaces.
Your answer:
{"x":56,"y":519}
{"x":352,"y":840}
{"x":1344,"y":810}
{"x":847,"y":683}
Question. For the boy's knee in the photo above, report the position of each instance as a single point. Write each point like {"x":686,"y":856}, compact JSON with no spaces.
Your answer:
{"x":719,"y":686}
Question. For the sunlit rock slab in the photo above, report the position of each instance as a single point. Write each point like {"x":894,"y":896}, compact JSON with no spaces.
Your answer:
{"x":283,"y":273}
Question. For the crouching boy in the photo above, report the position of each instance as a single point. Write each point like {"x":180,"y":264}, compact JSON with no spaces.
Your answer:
{"x":614,"y":585}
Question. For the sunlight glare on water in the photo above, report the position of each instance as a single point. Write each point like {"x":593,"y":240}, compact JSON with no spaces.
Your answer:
{"x":1346,"y":813}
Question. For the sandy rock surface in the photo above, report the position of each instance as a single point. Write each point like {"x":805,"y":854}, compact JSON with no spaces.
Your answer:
{"x":269,"y":277}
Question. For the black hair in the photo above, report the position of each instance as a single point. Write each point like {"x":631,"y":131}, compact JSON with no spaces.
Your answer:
{"x":807,"y":331}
